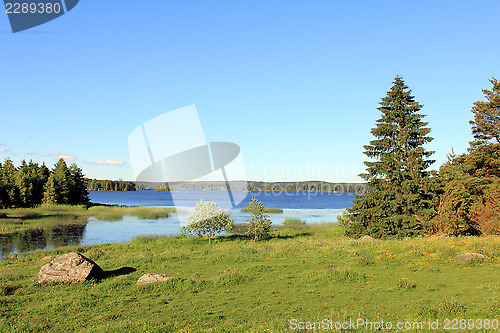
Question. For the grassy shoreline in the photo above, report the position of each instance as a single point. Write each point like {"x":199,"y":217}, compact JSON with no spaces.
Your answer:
{"x":18,"y":219}
{"x":307,"y":273}
{"x":266,"y":210}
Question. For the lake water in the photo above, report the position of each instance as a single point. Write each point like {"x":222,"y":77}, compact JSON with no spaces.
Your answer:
{"x":309,"y":207}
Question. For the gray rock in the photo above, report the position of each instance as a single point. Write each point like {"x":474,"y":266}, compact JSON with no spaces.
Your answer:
{"x":70,"y":267}
{"x":468,"y":256}
{"x":152,"y":278}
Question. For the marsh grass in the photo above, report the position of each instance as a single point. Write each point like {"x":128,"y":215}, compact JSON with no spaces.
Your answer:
{"x":234,"y":285}
{"x":18,"y":219}
{"x":117,"y":212}
{"x":266,"y":210}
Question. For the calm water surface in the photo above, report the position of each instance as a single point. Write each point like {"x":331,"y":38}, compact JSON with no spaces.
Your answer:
{"x":309,"y":207}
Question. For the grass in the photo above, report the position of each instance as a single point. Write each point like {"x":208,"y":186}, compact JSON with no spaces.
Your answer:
{"x":307,"y":273}
{"x":117,"y":212}
{"x":293,"y":221}
{"x":266,"y":210}
{"x":19,"y":219}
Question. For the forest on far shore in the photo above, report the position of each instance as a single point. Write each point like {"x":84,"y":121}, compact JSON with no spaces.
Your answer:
{"x":255,"y":186}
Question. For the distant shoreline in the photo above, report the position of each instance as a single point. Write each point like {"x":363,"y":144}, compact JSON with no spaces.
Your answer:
{"x":245,"y":186}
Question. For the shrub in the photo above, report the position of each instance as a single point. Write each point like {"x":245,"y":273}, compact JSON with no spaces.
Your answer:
{"x":259,"y":224}
{"x":207,"y":219}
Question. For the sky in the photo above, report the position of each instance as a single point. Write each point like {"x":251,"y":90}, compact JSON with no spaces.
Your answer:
{"x":296,"y":84}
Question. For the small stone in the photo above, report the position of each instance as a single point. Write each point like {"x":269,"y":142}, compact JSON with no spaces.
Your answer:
{"x":468,"y":256}
{"x":70,"y":267}
{"x":367,"y":238}
{"x":152,"y":278}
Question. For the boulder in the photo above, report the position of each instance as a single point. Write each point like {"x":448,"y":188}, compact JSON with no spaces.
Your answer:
{"x":367,"y":238}
{"x":468,"y":256}
{"x":70,"y":267}
{"x":153,"y":277}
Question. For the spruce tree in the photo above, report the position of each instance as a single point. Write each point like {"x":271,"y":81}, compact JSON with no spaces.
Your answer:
{"x":42,"y":174}
{"x":486,"y":123}
{"x":9,"y":195}
{"x":78,"y":191}
{"x":24,"y":181}
{"x":400,"y":204}
{"x":51,"y":194}
{"x":469,"y":195}
{"x":58,"y":186}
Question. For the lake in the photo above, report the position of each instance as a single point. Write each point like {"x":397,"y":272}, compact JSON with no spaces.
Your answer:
{"x":311,"y":207}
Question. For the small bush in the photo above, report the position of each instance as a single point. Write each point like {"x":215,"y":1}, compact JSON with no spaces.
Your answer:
{"x":259,"y":224}
{"x":207,"y":219}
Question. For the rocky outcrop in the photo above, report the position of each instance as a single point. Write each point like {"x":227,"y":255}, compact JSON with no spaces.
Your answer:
{"x":468,"y":256}
{"x":70,"y":267}
{"x":367,"y":238}
{"x":153,"y":277}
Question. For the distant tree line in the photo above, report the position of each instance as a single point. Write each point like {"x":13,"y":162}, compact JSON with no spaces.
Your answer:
{"x":109,"y":185}
{"x":31,"y":184}
{"x":257,"y":186}
{"x":309,"y":186}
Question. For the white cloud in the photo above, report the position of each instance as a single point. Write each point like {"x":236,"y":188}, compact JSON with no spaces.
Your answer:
{"x":3,"y":150}
{"x":66,"y":157}
{"x":110,"y":162}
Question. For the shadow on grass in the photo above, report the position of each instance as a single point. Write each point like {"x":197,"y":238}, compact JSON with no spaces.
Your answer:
{"x":7,"y":290}
{"x":288,"y":236}
{"x":118,"y":272}
{"x":277,"y":234}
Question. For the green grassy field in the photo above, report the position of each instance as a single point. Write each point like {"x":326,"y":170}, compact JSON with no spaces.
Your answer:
{"x":301,"y":274}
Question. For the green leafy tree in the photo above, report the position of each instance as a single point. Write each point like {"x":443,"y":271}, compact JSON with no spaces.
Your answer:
{"x":9,"y":193}
{"x":25,"y":182}
{"x":78,"y":188}
{"x":41,"y":175}
{"x":51,"y":193}
{"x":259,"y":224}
{"x":207,"y":219}
{"x":401,"y":201}
{"x":61,"y":187}
{"x":469,"y":195}
{"x":486,"y":123}
{"x":3,"y":190}
{"x":58,"y":186}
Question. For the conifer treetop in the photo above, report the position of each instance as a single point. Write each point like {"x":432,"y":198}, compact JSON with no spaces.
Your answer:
{"x":400,"y":135}
{"x":486,"y":123}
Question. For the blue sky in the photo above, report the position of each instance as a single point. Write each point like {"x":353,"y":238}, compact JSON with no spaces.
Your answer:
{"x":295,"y":83}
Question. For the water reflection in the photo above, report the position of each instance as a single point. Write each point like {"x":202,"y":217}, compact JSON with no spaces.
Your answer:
{"x":89,"y":231}
{"x":41,"y":238}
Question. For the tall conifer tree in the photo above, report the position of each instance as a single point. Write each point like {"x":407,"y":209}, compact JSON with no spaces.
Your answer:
{"x":486,"y":123}
{"x":9,"y":195}
{"x":400,"y":204}
{"x":469,"y":195}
